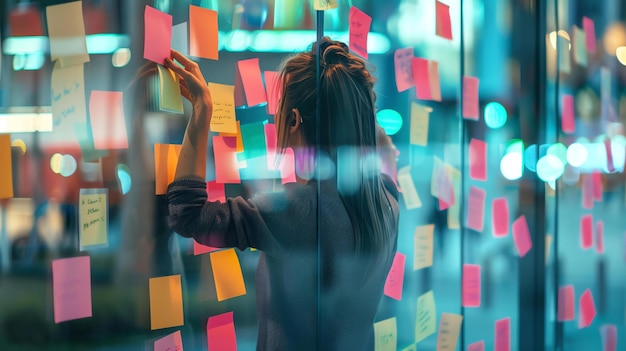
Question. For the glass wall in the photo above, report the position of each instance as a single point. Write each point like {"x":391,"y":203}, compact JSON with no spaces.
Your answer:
{"x":507,"y":117}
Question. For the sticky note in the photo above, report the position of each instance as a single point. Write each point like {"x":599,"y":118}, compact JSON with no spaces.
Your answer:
{"x":395,"y":277}
{"x":478,"y":159}
{"x":200,"y":249}
{"x":215,"y":191}
{"x":157,"y":35}
{"x":287,"y":166}
{"x":6,"y":171}
{"x":66,"y":32}
{"x":471,"y":285}
{"x":423,"y":246}
{"x":239,"y":142}
{"x":270,"y":145}
{"x":180,"y":38}
{"x":476,"y":209}
{"x":412,"y":347}
{"x":225,"y":155}
{"x":470,"y":98}
{"x":567,"y":114}
{"x":93,"y":217}
{"x":421,"y":78}
{"x":445,"y":188}
{"x":426,"y":318}
{"x":166,"y":302}
{"x":590,"y":34}
{"x":223,"y":117}
{"x":359,"y":28}
{"x":502,"y":335}
{"x":321,"y":5}
{"x":402,"y":63}
{"x":386,"y":335}
{"x":586,"y":231}
{"x":253,"y":135}
{"x":562,"y":45}
{"x":227,"y":274}
{"x":454,"y":211}
{"x":273,"y":90}
{"x":521,"y":236}
{"x":565,"y":307}
{"x":596,"y":181}
{"x":71,"y":285}
{"x":165,"y":162}
{"x":409,"y":192}
{"x":608,"y":332}
{"x":579,"y":46}
{"x":220,"y":330}
{"x":250,"y":75}
{"x":433,"y":79}
{"x":586,"y":309}
{"x":170,"y":99}
{"x":108,"y":124}
{"x":500,"y":217}
{"x":203,"y":34}
{"x":419,"y":124}
{"x":587,"y":191}
{"x":449,"y":329}
{"x":600,"y":237}
{"x":171,"y":342}
{"x":25,"y":21}
{"x":444,"y":25}
{"x":476,"y":346}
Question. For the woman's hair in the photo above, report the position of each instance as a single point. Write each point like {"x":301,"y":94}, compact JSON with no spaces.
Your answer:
{"x":347,"y":131}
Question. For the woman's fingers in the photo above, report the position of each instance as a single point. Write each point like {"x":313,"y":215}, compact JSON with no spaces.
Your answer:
{"x":186,"y":62}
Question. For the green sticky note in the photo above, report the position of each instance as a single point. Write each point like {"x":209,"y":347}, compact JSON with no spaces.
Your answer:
{"x":253,"y":136}
{"x":426,"y":320}
{"x":170,"y":99}
{"x":580,"y":46}
{"x":386,"y":335}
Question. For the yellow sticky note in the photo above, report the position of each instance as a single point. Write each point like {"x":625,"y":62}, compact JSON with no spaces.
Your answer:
{"x":449,"y":328}
{"x":322,"y":5}
{"x":412,"y":347}
{"x":6,"y":173}
{"x":227,"y":274}
{"x":236,"y":135}
{"x":165,"y":162}
{"x":92,"y":217}
{"x":386,"y":335}
{"x":425,"y":324}
{"x":409,"y":192}
{"x":223,"y":118}
{"x":170,"y":99}
{"x":66,"y":30}
{"x":166,"y":302}
{"x":423,"y":246}
{"x":419,"y":124}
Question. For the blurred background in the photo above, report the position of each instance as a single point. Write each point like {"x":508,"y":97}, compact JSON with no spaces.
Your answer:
{"x":534,"y":79}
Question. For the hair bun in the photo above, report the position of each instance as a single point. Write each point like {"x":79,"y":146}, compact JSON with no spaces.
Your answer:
{"x":334,"y":52}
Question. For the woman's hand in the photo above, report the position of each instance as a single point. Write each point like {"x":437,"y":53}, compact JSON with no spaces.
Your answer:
{"x":193,"y":86}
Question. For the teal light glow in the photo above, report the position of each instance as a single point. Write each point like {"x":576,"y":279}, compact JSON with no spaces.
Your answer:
{"x":559,"y":151}
{"x":512,"y":163}
{"x":495,"y":115}
{"x":550,"y":168}
{"x":123,"y":174}
{"x":390,"y":120}
{"x":576,"y":154}
{"x":530,"y":158}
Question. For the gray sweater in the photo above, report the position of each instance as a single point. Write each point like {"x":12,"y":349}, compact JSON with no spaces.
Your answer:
{"x":284,"y":226}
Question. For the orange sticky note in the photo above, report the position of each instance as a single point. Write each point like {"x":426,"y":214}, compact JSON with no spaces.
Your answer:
{"x":227,"y":274}
{"x":567,"y":114}
{"x":478,"y":160}
{"x":273,"y":90}
{"x":521,"y":236}
{"x":565,"y":307}
{"x":500,"y":217}
{"x":586,"y":231}
{"x":288,"y":166}
{"x":220,"y":331}
{"x":166,"y":302}
{"x":476,"y":209}
{"x":157,"y":35}
{"x":395,"y":277}
{"x":165,"y":162}
{"x":471,"y":285}
{"x":225,"y":154}
{"x":359,"y":28}
{"x":404,"y":74}
{"x":203,"y":35}
{"x":444,"y":25}
{"x":106,"y":113}
{"x":502,"y":334}
{"x":470,"y":98}
{"x":6,"y":169}
{"x":586,"y":309}
{"x":249,"y":73}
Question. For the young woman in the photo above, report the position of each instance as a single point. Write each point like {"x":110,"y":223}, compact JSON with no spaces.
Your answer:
{"x":327,"y":242}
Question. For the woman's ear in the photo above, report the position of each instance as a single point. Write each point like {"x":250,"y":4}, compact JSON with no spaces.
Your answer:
{"x":296,"y":120}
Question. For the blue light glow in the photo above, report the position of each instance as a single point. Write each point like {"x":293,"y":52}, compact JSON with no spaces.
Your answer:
{"x":390,"y":120}
{"x":123,"y":174}
{"x":495,"y":115}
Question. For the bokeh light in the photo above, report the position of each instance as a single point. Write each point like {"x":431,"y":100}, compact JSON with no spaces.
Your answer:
{"x":561,"y":33}
{"x":559,"y":151}
{"x":495,"y":115}
{"x":576,"y":154}
{"x":390,"y":120}
{"x":55,"y":163}
{"x":530,"y":158}
{"x":512,"y":164}
{"x":550,"y":168}
{"x":123,"y":174}
{"x":20,"y":144}
{"x":68,"y":165}
{"x":121,"y":57}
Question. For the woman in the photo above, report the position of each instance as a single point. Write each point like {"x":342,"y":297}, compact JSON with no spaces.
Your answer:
{"x":327,"y":244}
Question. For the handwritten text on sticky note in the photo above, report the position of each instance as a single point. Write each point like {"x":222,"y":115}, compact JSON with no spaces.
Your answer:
{"x":93,"y":217}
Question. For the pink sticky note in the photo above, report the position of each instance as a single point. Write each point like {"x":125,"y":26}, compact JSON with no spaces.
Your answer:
{"x":565,"y":308}
{"x":270,"y":145}
{"x":596,"y":180}
{"x":470,"y":98}
{"x":421,"y":78}
{"x":500,"y":217}
{"x":171,"y":342}
{"x":502,"y":335}
{"x":476,"y":209}
{"x":476,"y":346}
{"x":360,"y":24}
{"x":71,"y":285}
{"x":199,"y":249}
{"x":220,"y":332}
{"x":590,"y":34}
{"x":587,"y":192}
{"x":288,"y":167}
{"x":444,"y":25}
{"x":433,"y":77}
{"x":608,"y":332}
{"x":106,"y":113}
{"x":226,"y":165}
{"x":521,"y":236}
{"x":586,"y":309}
{"x":404,"y":74}
{"x":567,"y":114}
{"x":586,"y":231}
{"x":395,"y":277}
{"x":215,"y":191}
{"x":273,"y":90}
{"x":478,"y":160}
{"x":157,"y":35}
{"x":471,"y":285}
{"x":250,"y":74}
{"x":600,"y":237}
